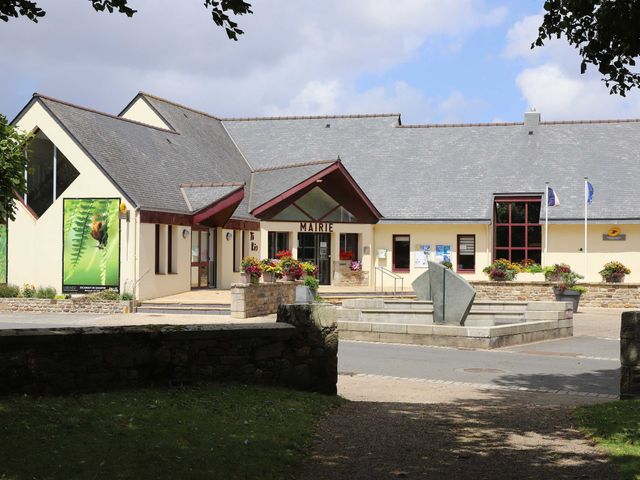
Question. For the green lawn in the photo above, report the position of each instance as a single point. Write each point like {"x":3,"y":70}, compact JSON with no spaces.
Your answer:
{"x":615,"y":426}
{"x":216,"y":431}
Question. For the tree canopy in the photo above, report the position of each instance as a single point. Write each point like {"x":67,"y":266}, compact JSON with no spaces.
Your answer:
{"x":219,"y":11}
{"x":604,"y":31}
{"x":13,"y":164}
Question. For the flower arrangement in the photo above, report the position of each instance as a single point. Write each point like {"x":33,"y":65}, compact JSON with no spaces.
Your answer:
{"x":251,"y":268}
{"x":272,"y":268}
{"x":291,"y":268}
{"x":346,"y":255}
{"x":355,"y":265}
{"x":309,"y":268}
{"x":502,"y":270}
{"x":530,"y":266}
{"x":614,"y":272}
{"x":283,"y":254}
{"x":554,"y":273}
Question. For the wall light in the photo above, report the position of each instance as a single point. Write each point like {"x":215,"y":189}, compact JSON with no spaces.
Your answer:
{"x":185,"y":233}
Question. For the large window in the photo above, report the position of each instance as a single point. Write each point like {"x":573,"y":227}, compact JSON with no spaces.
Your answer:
{"x":348,"y":246}
{"x":48,"y":175}
{"x":317,"y":206}
{"x":277,"y":241}
{"x":401,"y":253}
{"x":518,"y":232}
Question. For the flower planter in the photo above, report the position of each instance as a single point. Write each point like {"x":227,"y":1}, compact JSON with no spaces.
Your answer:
{"x":269,"y":277}
{"x":568,"y":295}
{"x":619,"y":278}
{"x":247,"y":278}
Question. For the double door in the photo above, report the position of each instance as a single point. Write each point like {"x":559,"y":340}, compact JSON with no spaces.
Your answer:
{"x":203,"y":255}
{"x":316,"y":248}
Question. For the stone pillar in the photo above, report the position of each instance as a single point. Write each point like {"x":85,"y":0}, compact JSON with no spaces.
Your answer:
{"x":630,"y":355}
{"x":315,"y":345}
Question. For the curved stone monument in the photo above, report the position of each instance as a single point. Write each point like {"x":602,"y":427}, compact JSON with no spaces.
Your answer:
{"x":451,"y":294}
{"x":422,"y":287}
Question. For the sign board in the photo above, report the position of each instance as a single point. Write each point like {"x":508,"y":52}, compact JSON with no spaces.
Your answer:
{"x":443,"y":253}
{"x":621,"y":237}
{"x":317,"y":227}
{"x":422,"y":256}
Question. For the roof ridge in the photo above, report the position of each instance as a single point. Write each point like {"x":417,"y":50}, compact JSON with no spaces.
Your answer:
{"x":458,"y":125}
{"x":294,"y":165}
{"x":211,"y":184}
{"x":105,"y":114}
{"x":588,"y":122}
{"x":179,"y":105}
{"x":308,"y":117}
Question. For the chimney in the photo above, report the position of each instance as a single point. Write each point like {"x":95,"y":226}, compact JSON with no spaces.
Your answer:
{"x":531,"y":120}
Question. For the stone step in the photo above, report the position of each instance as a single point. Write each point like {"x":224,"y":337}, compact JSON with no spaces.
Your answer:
{"x":185,"y":309}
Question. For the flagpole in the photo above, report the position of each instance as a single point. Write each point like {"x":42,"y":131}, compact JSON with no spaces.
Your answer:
{"x":546,"y":221}
{"x":586,"y":201}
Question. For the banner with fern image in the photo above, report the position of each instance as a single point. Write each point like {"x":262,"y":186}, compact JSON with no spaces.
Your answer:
{"x":3,"y":254}
{"x":91,"y":244}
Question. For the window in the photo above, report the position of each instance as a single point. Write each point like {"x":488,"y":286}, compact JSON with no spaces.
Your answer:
{"x":349,"y":246}
{"x":157,"y":248}
{"x":401,"y":253}
{"x":316,"y":206}
{"x":172,"y":257}
{"x":238,"y":250}
{"x":49,"y":174}
{"x":466,"y":253}
{"x":277,"y":241}
{"x":517,"y":231}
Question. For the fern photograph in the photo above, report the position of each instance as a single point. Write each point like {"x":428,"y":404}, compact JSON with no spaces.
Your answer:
{"x":3,"y":254}
{"x":91,"y":244}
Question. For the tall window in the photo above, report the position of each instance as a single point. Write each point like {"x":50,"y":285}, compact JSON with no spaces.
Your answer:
{"x":277,"y":241}
{"x":157,"y":252}
{"x":48,"y":175}
{"x":401,"y":253}
{"x":518,"y":232}
{"x":348,"y":246}
{"x":466,"y":253}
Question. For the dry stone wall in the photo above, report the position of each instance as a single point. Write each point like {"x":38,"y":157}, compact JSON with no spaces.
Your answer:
{"x":74,"y":305}
{"x":606,"y":295}
{"x":259,"y":299}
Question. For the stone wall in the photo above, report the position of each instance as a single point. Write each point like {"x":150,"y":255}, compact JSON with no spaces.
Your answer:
{"x":53,"y":361}
{"x":259,"y":299}
{"x":630,"y":355}
{"x":74,"y":305}
{"x":611,"y":295}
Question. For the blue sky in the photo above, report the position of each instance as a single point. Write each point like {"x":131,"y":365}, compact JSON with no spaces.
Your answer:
{"x":432,"y":61}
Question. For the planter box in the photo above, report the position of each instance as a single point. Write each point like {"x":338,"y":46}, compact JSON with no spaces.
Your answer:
{"x":568,"y":295}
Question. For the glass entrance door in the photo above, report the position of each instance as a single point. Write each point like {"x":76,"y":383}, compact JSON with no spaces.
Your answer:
{"x":316,"y":248}
{"x":199,"y":258}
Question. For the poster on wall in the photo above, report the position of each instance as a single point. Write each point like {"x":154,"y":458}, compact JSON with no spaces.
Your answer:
{"x":3,"y":254}
{"x":91,"y":245}
{"x":443,"y":253}
{"x":422,"y":256}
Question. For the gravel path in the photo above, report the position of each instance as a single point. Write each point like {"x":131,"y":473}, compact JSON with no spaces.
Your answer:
{"x":401,"y":429}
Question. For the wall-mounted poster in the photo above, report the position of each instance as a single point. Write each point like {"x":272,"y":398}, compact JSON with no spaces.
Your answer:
{"x":422,"y":255}
{"x":91,"y":245}
{"x":3,"y":254}
{"x":443,"y":253}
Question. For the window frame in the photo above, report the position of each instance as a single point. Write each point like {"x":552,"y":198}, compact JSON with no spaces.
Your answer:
{"x":458,"y":268}
{"x":393,"y":252}
{"x":157,"y":246}
{"x":527,"y":200}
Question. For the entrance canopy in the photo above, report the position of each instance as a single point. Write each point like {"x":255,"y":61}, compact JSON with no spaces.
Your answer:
{"x":330,"y":195}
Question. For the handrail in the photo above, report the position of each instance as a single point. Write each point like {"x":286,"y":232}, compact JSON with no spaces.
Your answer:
{"x":385,"y":271}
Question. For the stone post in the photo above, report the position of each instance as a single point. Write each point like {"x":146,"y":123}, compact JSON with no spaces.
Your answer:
{"x":630,"y":355}
{"x":315,"y":346}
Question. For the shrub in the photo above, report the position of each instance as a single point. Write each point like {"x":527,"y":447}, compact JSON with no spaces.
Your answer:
{"x":9,"y":291}
{"x":108,"y":294}
{"x":126,"y":296}
{"x":554,"y":273}
{"x":502,"y":270}
{"x":312,"y":283}
{"x":614,"y":272}
{"x":28,"y":290}
{"x":46,"y":292}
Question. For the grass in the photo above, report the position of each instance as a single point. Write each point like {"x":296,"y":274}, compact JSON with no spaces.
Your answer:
{"x":214,"y":431}
{"x":615,"y":426}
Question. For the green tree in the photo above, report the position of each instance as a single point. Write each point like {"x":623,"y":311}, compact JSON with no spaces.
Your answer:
{"x":604,"y":31}
{"x":219,"y":11}
{"x":13,"y":163}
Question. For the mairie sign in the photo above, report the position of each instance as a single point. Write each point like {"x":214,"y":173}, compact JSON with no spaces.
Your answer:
{"x":316,"y":227}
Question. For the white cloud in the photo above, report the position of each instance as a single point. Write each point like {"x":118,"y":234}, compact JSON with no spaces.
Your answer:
{"x":551,"y":82}
{"x":303,"y":54}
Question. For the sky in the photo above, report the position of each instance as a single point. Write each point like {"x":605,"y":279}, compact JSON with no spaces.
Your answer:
{"x":457,"y":61}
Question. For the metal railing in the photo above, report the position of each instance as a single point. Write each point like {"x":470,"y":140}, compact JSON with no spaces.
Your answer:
{"x":385,"y":271}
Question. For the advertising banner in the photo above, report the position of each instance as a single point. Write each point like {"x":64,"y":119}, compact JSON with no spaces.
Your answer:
{"x":3,"y":254}
{"x":91,"y":245}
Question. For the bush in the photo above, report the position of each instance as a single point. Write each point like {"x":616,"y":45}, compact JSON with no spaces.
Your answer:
{"x":9,"y":291}
{"x":502,"y":270}
{"x":46,"y":292}
{"x":28,"y":291}
{"x":312,"y":283}
{"x":126,"y":296}
{"x":108,"y":294}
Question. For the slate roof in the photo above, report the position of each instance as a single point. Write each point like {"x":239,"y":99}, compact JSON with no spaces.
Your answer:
{"x":201,"y":196}
{"x":412,"y":174}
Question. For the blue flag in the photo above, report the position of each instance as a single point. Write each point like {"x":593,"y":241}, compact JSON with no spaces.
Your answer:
{"x":589,"y":193}
{"x":553,"y":200}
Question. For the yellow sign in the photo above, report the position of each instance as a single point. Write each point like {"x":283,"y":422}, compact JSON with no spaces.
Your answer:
{"x":613,"y":232}
{"x":123,"y":208}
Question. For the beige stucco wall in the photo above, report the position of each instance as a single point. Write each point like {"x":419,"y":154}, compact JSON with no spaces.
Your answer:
{"x":35,"y":246}
{"x":140,"y":111}
{"x":565,"y":242}
{"x":433,"y":235}
{"x":226,"y":275}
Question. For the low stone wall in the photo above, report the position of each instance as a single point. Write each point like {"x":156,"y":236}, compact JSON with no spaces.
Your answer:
{"x":73,"y":305}
{"x":259,"y":299}
{"x":301,"y":354}
{"x":630,"y":355}
{"x":608,"y":295}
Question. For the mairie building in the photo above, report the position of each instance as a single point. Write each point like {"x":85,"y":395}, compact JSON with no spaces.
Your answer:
{"x":163,"y":198}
